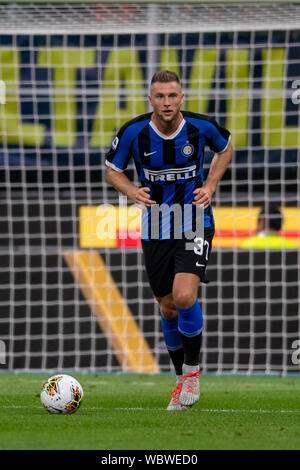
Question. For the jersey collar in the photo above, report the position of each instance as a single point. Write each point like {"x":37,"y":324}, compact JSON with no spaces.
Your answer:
{"x":164,"y":136}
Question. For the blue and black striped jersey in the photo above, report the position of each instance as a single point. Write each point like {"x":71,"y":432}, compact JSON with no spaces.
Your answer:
{"x":171,"y":166}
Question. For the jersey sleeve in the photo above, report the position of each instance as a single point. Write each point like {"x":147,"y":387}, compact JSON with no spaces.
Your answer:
{"x":217,"y":137}
{"x":120,"y":151}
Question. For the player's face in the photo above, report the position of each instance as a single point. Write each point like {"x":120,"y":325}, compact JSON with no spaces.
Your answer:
{"x":166,"y":100}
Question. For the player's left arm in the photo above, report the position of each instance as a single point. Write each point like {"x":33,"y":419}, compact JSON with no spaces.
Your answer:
{"x":217,"y":169}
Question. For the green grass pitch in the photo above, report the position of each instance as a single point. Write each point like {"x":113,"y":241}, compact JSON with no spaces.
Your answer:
{"x":128,"y":412}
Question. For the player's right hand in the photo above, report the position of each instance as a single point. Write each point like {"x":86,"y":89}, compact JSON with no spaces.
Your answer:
{"x":142,"y":198}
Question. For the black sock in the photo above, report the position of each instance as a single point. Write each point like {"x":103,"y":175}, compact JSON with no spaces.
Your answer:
{"x":191,"y":348}
{"x":177,"y":357}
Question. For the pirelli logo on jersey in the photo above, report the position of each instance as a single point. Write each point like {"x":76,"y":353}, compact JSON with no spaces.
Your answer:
{"x":170,"y":175}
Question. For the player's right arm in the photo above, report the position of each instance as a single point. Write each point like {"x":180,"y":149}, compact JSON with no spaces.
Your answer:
{"x":116,"y":162}
{"x":122,"y":184}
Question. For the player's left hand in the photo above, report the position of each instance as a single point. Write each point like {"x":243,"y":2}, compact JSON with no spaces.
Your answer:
{"x":202,"y":196}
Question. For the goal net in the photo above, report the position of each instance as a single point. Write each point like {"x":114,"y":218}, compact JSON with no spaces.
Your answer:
{"x":74,"y":293}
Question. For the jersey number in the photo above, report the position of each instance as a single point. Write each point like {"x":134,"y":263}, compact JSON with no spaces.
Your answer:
{"x":201,"y":244}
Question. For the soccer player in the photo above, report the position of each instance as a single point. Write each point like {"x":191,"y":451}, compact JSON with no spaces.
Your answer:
{"x":167,"y":146}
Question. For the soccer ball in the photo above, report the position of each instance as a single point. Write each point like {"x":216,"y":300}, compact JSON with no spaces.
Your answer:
{"x":61,"y":394}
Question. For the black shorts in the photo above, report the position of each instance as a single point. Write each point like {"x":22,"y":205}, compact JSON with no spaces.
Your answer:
{"x":165,"y":258}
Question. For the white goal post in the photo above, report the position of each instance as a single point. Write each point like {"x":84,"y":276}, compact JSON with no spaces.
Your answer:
{"x":71,"y":73}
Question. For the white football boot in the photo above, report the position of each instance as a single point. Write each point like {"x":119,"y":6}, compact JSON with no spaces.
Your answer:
{"x":174,"y":404}
{"x":190,"y":389}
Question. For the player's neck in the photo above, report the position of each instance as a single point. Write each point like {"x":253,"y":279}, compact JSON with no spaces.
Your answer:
{"x":167,"y":128}
{"x":269,"y":232}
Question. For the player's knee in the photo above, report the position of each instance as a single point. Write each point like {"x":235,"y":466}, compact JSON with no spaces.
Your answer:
{"x":168,"y":311}
{"x":183,"y":299}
